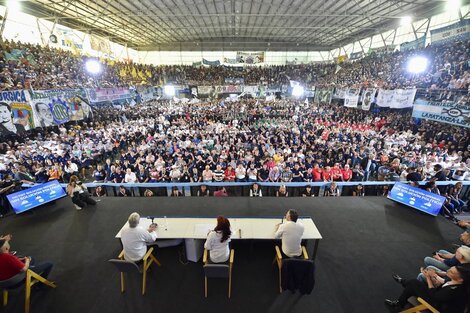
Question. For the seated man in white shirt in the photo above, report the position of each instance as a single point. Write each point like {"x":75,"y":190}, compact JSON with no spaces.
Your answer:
{"x":135,"y":239}
{"x":290,"y":233}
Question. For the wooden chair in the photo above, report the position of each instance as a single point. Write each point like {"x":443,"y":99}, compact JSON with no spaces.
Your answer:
{"x":128,"y":266}
{"x":419,"y":305}
{"x":278,"y":260}
{"x":30,"y":278}
{"x":215,"y":270}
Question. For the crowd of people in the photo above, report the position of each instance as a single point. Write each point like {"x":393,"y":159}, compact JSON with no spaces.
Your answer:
{"x":33,"y":66}
{"x":248,"y":141}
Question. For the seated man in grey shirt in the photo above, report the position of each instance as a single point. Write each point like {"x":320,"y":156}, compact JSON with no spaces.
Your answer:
{"x":290,"y":233}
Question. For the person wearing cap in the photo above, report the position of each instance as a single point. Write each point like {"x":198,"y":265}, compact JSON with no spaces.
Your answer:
{"x":135,"y":238}
{"x":290,"y":232}
{"x":11,"y":265}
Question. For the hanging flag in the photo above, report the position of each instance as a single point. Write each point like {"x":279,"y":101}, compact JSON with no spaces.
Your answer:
{"x":338,"y":68}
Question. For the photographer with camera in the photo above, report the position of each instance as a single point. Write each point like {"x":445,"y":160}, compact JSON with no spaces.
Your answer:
{"x":79,"y":193}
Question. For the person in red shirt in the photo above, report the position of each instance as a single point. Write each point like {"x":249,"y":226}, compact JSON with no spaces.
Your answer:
{"x":326,"y":173}
{"x":11,"y":265}
{"x":347,"y":173}
{"x":336,"y":173}
{"x":317,"y":173}
{"x":229,"y":174}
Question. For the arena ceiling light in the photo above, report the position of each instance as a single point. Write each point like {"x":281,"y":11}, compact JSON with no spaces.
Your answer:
{"x":93,"y":66}
{"x":417,"y":65}
{"x":169,"y":90}
{"x":453,"y":5}
{"x":405,"y":20}
{"x":14,"y":5}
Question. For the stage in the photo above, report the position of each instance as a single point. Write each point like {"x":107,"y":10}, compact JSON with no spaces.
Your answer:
{"x":365,"y":240}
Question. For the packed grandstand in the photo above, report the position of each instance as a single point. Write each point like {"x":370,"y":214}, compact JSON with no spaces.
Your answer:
{"x":287,"y":140}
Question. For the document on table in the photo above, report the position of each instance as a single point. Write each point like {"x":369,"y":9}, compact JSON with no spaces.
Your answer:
{"x":201,"y":230}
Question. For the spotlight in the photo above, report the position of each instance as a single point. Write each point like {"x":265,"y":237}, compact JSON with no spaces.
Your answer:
{"x":417,"y":65}
{"x":93,"y":67}
{"x":405,"y":21}
{"x":453,"y":5}
{"x":298,"y":91}
{"x":14,"y":5}
{"x":169,"y":90}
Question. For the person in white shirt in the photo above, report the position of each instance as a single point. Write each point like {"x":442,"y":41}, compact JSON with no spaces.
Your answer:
{"x":291,"y":234}
{"x":130,"y":176}
{"x":217,"y":241}
{"x":135,"y":239}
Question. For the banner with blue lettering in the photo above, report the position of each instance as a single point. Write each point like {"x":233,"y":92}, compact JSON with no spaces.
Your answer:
{"x":450,"y":113}
{"x":417,"y":198}
{"x":457,"y":31}
{"x":16,"y":115}
{"x":55,"y":107}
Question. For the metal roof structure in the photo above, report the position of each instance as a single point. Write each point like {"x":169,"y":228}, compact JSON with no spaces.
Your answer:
{"x":274,"y":25}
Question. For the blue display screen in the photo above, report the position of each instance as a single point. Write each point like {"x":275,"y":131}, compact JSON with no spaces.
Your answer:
{"x":417,"y":198}
{"x":27,"y":199}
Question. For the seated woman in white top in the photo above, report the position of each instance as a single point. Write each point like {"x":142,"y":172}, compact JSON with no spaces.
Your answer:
{"x":217,"y":241}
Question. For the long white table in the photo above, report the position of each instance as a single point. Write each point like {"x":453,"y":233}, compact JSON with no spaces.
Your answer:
{"x":194,"y":230}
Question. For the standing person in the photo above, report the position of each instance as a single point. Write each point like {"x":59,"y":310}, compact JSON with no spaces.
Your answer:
{"x":290,"y":233}
{"x":135,"y":239}
{"x":217,"y":241}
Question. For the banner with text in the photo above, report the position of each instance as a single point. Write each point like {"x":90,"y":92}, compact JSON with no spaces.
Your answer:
{"x":457,"y":31}
{"x":403,"y":98}
{"x":108,"y":94}
{"x":55,"y":107}
{"x":210,"y":63}
{"x":250,"y":57}
{"x":368,"y":98}
{"x":351,"y":98}
{"x":445,"y":112}
{"x":16,"y":115}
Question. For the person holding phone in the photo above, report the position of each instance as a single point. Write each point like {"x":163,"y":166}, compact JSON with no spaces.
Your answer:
{"x":11,"y":265}
{"x":135,"y":238}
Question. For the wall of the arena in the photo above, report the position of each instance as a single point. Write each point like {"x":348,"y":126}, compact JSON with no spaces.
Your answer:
{"x":29,"y":29}
{"x":190,"y":57}
{"x":404,"y":33}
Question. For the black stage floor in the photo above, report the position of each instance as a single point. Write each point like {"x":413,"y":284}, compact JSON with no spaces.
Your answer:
{"x":365,"y":241}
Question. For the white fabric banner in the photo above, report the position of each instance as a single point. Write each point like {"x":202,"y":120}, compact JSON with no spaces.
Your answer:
{"x":351,"y":98}
{"x":403,"y":98}
{"x":367,"y":98}
{"x":385,"y":98}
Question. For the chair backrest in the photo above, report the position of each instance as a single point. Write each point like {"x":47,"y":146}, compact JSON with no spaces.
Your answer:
{"x":5,"y":284}
{"x":216,"y":270}
{"x":125,"y":266}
